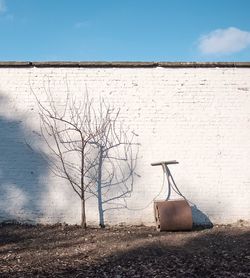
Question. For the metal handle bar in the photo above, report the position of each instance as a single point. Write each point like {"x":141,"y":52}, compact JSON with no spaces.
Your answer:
{"x":161,"y":163}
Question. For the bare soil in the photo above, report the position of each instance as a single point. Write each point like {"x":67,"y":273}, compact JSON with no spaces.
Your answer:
{"x":69,"y":251}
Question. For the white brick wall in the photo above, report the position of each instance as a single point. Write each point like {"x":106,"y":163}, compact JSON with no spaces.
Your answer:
{"x":198,"y":116}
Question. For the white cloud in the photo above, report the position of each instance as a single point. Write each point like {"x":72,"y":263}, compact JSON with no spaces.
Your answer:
{"x":224,"y":41}
{"x":2,"y":6}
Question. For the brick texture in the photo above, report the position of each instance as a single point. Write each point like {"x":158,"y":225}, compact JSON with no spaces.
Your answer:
{"x":198,"y":116}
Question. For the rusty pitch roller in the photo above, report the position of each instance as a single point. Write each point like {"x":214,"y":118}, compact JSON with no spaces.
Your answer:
{"x":172,"y":215}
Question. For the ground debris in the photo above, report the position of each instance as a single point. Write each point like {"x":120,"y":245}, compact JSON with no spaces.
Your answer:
{"x":69,"y":251}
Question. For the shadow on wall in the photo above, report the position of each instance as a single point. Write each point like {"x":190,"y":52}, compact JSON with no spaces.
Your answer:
{"x":200,"y":219}
{"x":20,"y":170}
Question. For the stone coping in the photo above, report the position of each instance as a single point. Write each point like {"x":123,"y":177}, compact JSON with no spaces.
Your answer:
{"x":67,"y":64}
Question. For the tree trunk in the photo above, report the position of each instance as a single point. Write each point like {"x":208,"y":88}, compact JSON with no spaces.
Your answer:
{"x":99,"y":190}
{"x":83,"y":215}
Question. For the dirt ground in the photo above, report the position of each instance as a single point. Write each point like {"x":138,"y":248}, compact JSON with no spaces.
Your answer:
{"x":69,"y":251}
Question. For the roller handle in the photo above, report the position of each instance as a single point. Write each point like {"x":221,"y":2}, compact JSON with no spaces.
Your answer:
{"x":164,"y":162}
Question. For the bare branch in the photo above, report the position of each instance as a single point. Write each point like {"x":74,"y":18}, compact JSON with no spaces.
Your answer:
{"x":89,"y":148}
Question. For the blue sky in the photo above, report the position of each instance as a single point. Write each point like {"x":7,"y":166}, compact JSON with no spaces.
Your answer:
{"x":125,"y":30}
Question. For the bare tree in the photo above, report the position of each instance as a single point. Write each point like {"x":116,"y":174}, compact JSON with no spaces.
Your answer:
{"x":67,"y":134}
{"x":85,"y":149}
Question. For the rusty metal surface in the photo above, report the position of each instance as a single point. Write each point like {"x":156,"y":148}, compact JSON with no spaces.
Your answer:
{"x":173,"y":215}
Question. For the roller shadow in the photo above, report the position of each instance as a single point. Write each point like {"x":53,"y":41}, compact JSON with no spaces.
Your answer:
{"x":200,"y":219}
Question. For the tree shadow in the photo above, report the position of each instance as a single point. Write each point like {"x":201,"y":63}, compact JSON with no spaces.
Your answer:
{"x":21,"y":168}
{"x":114,"y":190}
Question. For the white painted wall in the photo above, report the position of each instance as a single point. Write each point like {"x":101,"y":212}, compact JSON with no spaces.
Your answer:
{"x":198,"y":116}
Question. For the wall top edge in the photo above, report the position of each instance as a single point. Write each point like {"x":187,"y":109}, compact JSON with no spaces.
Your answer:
{"x":96,"y":64}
